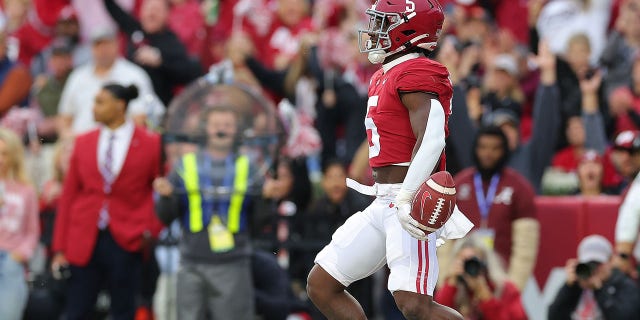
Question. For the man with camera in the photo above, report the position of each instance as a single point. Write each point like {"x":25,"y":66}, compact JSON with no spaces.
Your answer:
{"x":594,"y":289}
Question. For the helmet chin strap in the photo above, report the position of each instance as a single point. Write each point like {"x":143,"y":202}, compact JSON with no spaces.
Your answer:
{"x":378,"y":56}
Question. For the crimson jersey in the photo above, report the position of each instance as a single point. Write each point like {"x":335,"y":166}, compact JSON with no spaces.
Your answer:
{"x":391,"y":139}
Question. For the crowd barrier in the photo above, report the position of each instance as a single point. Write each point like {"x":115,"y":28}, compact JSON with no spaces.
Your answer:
{"x":564,"y":221}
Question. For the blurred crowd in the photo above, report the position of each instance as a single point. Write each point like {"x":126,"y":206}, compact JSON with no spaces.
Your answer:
{"x":546,"y":102}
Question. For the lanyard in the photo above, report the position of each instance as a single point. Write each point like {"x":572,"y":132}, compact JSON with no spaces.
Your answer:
{"x":221,"y":201}
{"x":484,"y":202}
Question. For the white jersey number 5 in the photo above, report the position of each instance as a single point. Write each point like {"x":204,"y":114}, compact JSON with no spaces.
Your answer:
{"x":374,"y":142}
{"x":411,"y":6}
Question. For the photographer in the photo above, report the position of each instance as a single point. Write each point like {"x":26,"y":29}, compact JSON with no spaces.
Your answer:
{"x":477,"y":284}
{"x":594,"y":289}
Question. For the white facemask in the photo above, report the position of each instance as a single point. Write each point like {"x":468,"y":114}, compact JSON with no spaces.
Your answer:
{"x":377,"y":56}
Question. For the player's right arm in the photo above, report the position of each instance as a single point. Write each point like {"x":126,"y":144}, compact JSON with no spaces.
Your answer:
{"x":627,"y":226}
{"x":427,"y":119}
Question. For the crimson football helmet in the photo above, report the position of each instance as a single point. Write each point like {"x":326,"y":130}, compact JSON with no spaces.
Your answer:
{"x":397,"y":25}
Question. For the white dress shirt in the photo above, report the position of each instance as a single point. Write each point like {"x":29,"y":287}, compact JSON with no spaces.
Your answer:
{"x":80,"y":90}
{"x":123,"y":135}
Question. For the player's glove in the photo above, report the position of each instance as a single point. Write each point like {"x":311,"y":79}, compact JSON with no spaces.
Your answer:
{"x":402,"y":204}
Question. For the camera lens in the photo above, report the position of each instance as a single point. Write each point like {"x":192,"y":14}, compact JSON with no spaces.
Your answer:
{"x":585,"y":270}
{"x":473,"y":266}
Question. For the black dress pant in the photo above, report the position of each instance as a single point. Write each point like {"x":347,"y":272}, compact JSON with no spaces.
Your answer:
{"x":110,"y":267}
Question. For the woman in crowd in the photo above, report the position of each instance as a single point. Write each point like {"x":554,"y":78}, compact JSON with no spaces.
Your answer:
{"x":18,"y":226}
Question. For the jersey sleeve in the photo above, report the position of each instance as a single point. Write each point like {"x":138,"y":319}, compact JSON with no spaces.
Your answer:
{"x":430,"y":78}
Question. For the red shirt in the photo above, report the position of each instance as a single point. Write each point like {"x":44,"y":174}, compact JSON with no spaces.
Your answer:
{"x":611,"y":178}
{"x":187,"y":21}
{"x":514,"y":199}
{"x":507,"y":306}
{"x":566,"y":159}
{"x":391,"y":139}
{"x":280,"y":40}
{"x":512,"y":16}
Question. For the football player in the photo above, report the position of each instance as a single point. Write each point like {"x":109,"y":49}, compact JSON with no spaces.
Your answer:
{"x":408,"y":109}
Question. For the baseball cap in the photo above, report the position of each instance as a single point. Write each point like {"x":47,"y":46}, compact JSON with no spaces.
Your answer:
{"x":594,"y":248}
{"x":61,"y":46}
{"x":627,"y":140}
{"x":102,"y":33}
{"x":507,"y":63}
{"x":501,"y":116}
{"x":67,"y":13}
{"x":591,"y":156}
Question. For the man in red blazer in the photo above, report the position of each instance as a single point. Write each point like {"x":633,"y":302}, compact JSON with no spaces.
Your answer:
{"x":106,"y":215}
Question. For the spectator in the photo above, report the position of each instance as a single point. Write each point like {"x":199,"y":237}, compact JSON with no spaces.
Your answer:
{"x":284,"y":29}
{"x":19,"y":230}
{"x":499,"y":201}
{"x":215,"y":271}
{"x":288,"y":181}
{"x":575,"y":75}
{"x":31,"y":30}
{"x":622,"y":45}
{"x":629,"y":214}
{"x":502,"y":87}
{"x":530,"y":158}
{"x":85,"y":82}
{"x":477,"y":284}
{"x":584,"y":131}
{"x":619,"y":167}
{"x":15,"y":80}
{"x":155,"y":48}
{"x":625,"y":101}
{"x":52,"y":189}
{"x":286,"y":193}
{"x":105,"y":219}
{"x":332,"y":82}
{"x":559,"y":20}
{"x":66,"y":29}
{"x":325,"y":215}
{"x":590,"y":174}
{"x":593,"y":288}
{"x":336,"y":204}
{"x":47,"y":89}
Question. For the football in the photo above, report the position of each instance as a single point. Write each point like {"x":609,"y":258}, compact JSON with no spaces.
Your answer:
{"x":434,"y":201}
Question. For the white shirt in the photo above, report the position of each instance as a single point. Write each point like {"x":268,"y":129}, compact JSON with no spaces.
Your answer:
{"x":559,"y":20}
{"x":79,"y":92}
{"x":123,"y":135}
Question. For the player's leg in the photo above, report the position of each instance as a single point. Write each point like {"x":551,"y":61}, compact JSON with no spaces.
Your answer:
{"x":331,"y":297}
{"x":415,"y":306}
{"x":357,"y":250}
{"x":414,"y":273}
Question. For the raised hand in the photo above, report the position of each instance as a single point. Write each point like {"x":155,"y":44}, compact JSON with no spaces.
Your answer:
{"x":546,"y":61}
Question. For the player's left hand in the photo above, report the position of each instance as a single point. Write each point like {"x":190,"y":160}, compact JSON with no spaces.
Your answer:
{"x":409,"y":224}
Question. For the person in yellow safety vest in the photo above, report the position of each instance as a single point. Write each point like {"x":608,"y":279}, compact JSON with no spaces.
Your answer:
{"x":209,"y":192}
